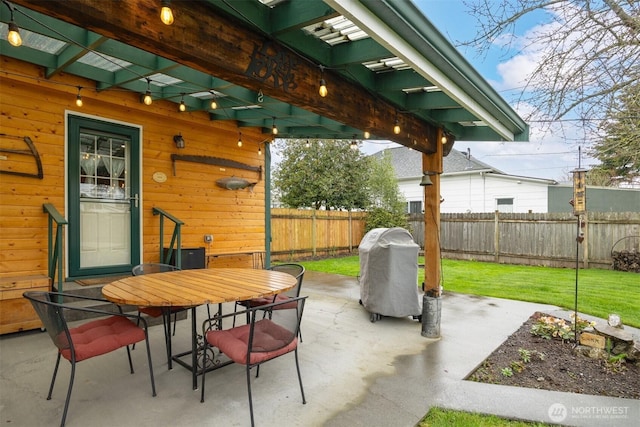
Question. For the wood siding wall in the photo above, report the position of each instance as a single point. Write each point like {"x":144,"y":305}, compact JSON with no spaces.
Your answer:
{"x":298,"y":234}
{"x":34,"y":106}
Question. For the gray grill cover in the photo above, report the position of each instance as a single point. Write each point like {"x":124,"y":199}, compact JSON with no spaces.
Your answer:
{"x":389,"y":272}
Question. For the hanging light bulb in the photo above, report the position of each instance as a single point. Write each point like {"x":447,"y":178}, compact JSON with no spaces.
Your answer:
{"x":239,"y":139}
{"x":213,"y":104}
{"x":323,"y":84}
{"x":79,"y":97}
{"x":13,"y":36}
{"x":259,"y":151}
{"x":353,"y":145}
{"x":443,"y":140}
{"x":166,"y":14}
{"x":274,"y":129}
{"x":182,"y":106}
{"x":307,"y":144}
{"x":323,"y":88}
{"x":396,"y":127}
{"x":367,"y":135}
{"x":147,"y":95}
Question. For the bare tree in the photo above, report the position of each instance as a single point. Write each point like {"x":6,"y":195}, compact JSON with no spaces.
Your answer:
{"x":585,"y":55}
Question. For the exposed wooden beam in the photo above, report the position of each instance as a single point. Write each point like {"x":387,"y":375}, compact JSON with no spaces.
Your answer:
{"x":205,"y":40}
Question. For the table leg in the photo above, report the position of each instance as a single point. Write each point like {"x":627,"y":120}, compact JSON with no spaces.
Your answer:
{"x":166,"y":318}
{"x":194,"y":349}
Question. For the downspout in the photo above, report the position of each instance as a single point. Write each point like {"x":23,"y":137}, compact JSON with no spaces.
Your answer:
{"x":267,"y":205}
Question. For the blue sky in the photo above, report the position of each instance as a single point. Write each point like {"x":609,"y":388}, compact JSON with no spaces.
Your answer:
{"x":545,"y":156}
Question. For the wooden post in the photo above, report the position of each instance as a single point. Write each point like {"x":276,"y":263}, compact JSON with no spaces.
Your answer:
{"x":432,"y":273}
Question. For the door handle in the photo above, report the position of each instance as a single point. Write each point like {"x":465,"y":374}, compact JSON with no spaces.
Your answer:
{"x":135,"y":199}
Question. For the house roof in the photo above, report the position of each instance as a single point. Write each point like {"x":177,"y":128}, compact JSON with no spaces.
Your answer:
{"x":386,"y":48}
{"x":408,"y":163}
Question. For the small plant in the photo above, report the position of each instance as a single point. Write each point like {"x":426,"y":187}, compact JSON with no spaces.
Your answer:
{"x":506,"y":372}
{"x":616,"y":363}
{"x":525,"y":355}
{"x":552,"y":327}
{"x":484,"y":374}
{"x":517,"y":366}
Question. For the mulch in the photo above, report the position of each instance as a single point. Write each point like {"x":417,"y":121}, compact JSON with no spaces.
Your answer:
{"x":560,"y":369}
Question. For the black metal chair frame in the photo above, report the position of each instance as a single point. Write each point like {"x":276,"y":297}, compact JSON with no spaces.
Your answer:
{"x":40,"y":298}
{"x":299,"y":276}
{"x":216,"y":321}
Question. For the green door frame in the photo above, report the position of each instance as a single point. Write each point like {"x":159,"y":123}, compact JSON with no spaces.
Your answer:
{"x":75,"y":124}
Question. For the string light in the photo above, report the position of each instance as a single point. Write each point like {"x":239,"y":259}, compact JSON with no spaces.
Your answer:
{"x":396,"y":127}
{"x":353,"y":145}
{"x":147,"y":95}
{"x":307,"y":144}
{"x":13,"y":36}
{"x":323,"y":84}
{"x":367,"y":135}
{"x":239,"y":139}
{"x":259,"y":151}
{"x":182,"y":106}
{"x":213,"y":104}
{"x":79,"y":97}
{"x":166,"y":14}
{"x":274,"y":129}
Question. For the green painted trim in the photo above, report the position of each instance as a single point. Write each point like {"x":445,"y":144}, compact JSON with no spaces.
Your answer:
{"x":267,"y":204}
{"x":75,"y":124}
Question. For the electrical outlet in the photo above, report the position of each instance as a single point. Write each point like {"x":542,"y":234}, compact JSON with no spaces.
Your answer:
{"x":208,"y":238}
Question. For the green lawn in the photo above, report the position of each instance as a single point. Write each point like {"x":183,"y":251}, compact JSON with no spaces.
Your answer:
{"x":600,"y":292}
{"x":437,"y":417}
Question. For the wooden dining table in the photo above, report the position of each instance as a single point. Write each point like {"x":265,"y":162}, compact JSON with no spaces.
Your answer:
{"x":193,"y":288}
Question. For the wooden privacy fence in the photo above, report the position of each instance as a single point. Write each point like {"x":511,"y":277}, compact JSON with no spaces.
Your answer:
{"x":547,"y":239}
{"x":305,"y":233}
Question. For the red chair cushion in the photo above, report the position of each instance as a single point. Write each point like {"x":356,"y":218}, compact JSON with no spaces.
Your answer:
{"x":102,"y":336}
{"x":257,"y":302}
{"x":157,"y":311}
{"x":269,"y":341}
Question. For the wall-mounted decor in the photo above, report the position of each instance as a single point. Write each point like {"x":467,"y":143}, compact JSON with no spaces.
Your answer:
{"x":216,"y":161}
{"x":234,"y":183}
{"x":32,"y":152}
{"x":159,"y":177}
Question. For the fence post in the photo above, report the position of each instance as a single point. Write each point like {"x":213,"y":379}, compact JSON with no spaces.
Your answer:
{"x":350,"y":227}
{"x":496,"y":236}
{"x":313,"y":233}
{"x":585,"y":243}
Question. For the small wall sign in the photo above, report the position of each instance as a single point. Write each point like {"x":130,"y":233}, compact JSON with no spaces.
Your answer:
{"x":159,"y":177}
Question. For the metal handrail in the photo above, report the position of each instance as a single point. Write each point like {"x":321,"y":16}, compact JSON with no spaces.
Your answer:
{"x":54,"y":258}
{"x":176,"y":238}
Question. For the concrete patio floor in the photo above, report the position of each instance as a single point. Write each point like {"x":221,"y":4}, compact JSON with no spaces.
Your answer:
{"x":355,"y":373}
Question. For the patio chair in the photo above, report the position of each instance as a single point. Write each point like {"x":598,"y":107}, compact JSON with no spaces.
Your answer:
{"x":259,"y":341}
{"x":297,"y":271}
{"x":90,"y":339}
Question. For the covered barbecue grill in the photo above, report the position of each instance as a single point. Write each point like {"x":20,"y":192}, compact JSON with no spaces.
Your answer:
{"x":389,"y":273}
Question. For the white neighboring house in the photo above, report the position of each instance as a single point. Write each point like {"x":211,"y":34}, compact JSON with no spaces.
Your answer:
{"x":469,"y":185}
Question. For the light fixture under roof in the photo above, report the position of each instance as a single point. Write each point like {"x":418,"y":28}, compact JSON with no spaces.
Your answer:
{"x":166,"y":14}
{"x":79,"y":102}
